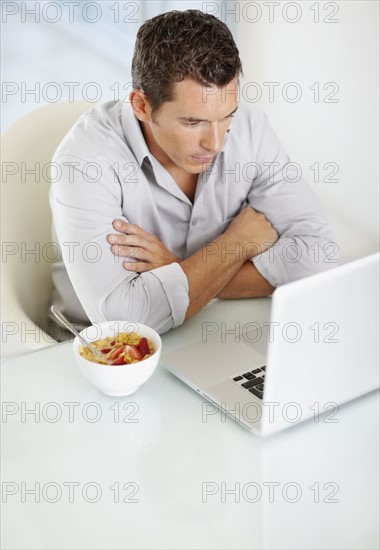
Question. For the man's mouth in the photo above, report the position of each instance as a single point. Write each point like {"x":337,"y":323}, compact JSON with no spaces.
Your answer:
{"x":203,"y":159}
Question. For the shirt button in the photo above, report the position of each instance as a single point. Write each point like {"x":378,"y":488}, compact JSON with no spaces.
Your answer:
{"x":194,"y":221}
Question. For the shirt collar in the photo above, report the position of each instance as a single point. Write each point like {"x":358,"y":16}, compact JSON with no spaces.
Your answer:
{"x":225,"y":140}
{"x":133,"y":134}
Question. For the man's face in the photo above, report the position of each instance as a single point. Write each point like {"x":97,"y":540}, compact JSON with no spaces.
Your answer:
{"x":187,"y":132}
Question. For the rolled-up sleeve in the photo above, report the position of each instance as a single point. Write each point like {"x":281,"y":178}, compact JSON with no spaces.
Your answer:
{"x":158,"y":298}
{"x":84,"y":206}
{"x":306,"y":243}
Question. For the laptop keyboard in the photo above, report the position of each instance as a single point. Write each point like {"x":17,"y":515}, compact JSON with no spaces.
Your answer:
{"x":252,"y":381}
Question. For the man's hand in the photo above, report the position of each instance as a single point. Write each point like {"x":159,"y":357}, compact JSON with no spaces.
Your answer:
{"x":257,"y":236}
{"x":146,"y":249}
{"x":212,"y":267}
{"x":252,"y":231}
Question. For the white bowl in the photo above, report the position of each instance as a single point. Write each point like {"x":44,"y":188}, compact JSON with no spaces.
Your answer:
{"x":118,"y":380}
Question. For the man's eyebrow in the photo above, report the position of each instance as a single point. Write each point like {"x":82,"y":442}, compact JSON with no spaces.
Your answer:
{"x":192,"y":119}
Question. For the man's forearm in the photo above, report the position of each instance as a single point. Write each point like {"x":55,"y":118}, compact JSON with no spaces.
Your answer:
{"x":217,"y":268}
{"x":208,"y":273}
{"x":247,"y":283}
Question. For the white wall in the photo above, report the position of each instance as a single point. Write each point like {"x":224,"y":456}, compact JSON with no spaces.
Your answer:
{"x":346,"y":132}
{"x":57,"y":49}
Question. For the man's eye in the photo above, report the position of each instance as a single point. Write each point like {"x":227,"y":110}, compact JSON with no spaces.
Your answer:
{"x":191,"y":124}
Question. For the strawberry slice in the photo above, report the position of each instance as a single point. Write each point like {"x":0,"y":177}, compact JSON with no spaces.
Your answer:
{"x":133,"y":352}
{"x":114,"y":354}
{"x":119,"y":360}
{"x":143,"y":347}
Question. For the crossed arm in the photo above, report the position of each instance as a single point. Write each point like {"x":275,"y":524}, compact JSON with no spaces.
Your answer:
{"x":209,"y":275}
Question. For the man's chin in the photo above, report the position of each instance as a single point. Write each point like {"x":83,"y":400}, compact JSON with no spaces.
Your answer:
{"x":194,"y":168}
{"x":191,"y":169}
{"x":198,"y":168}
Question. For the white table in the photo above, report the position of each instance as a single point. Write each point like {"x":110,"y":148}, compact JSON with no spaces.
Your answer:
{"x":178,"y":468}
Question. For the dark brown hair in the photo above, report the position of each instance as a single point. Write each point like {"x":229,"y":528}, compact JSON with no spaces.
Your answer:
{"x":180,"y":44}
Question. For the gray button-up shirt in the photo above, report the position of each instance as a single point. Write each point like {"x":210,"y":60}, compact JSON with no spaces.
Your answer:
{"x":104,"y":170}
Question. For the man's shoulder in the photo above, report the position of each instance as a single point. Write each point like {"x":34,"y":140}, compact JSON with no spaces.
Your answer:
{"x":247,"y":130}
{"x":250,"y":118}
{"x":96,"y":131}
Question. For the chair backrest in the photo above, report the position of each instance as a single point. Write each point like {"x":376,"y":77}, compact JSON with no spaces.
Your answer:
{"x":27,"y":248}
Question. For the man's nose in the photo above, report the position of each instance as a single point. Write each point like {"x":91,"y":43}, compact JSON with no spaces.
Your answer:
{"x":212,"y":140}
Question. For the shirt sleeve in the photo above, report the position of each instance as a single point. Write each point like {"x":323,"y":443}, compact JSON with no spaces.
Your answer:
{"x":306,"y":243}
{"x":84,"y":202}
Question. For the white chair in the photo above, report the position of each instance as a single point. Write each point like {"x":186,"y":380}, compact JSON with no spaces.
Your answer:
{"x":27,"y":250}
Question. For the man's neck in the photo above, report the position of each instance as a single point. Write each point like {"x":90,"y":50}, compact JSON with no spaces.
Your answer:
{"x":186,"y":181}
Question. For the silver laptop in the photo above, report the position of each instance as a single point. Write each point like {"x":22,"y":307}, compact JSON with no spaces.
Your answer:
{"x":318,"y":349}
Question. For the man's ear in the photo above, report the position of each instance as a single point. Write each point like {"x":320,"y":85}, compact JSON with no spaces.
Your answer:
{"x":140,"y":105}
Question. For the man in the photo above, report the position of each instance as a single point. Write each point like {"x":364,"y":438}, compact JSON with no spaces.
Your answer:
{"x":179,"y":196}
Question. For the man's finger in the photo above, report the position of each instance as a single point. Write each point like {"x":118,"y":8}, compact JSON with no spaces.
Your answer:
{"x":130,"y":228}
{"x":137,"y":267}
{"x":125,"y":251}
{"x":130,"y":240}
{"x":132,"y":252}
